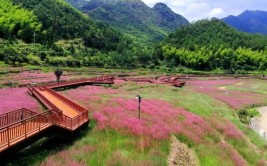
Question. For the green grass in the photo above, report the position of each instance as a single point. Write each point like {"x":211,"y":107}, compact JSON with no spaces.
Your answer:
{"x":254,"y":86}
{"x":253,"y":112}
{"x":211,"y":157}
{"x":204,"y":106}
{"x":2,"y":64}
{"x":119,"y":149}
{"x":94,"y":147}
{"x":109,"y":147}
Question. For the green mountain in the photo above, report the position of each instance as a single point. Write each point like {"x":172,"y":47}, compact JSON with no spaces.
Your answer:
{"x":249,"y":21}
{"x":50,"y":28}
{"x":61,"y":21}
{"x":211,"y":45}
{"x":134,"y":17}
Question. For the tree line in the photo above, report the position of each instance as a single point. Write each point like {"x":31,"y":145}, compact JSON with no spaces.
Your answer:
{"x":50,"y":32}
{"x":211,"y":44}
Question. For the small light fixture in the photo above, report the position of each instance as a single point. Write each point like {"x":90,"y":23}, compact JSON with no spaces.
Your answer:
{"x":139,"y":98}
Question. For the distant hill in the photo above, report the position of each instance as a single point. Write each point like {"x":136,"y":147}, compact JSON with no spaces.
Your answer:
{"x":249,"y":21}
{"x":212,"y":44}
{"x":133,"y":17}
{"x":214,"y":33}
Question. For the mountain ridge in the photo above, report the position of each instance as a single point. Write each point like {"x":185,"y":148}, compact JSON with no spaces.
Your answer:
{"x":251,"y":21}
{"x":135,"y":18}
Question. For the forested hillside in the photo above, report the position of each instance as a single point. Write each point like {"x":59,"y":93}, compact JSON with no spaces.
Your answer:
{"x":52,"y":30}
{"x":61,"y":21}
{"x":134,"y":18}
{"x":207,"y":45}
{"x":16,"y":22}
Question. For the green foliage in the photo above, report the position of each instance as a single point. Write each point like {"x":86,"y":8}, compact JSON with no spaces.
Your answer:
{"x":208,"y":45}
{"x":11,"y":55}
{"x":17,"y":22}
{"x":58,"y":72}
{"x":34,"y":59}
{"x":243,"y":116}
{"x":83,"y":42}
{"x":52,"y":20}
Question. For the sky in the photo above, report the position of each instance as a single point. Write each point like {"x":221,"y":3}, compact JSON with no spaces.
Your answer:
{"x":194,"y":10}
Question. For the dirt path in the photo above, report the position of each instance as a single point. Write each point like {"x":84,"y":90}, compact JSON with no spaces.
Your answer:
{"x":180,"y":154}
{"x":225,"y":87}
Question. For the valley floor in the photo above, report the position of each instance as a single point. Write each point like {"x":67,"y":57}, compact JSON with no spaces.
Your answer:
{"x":201,"y":117}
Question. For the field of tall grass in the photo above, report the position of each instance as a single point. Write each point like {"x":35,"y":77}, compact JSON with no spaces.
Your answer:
{"x":205,"y":119}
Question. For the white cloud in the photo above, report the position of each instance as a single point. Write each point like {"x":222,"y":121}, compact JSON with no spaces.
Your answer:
{"x":197,"y":9}
{"x":216,"y":11}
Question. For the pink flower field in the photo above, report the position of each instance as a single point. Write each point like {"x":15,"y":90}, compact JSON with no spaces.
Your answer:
{"x":158,"y":120}
{"x":119,"y":131}
{"x":17,"y":98}
{"x":88,"y":96}
{"x":235,"y":99}
{"x":26,"y":77}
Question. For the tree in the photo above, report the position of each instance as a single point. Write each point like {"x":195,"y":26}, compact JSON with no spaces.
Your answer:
{"x":243,"y":115}
{"x":58,"y":72}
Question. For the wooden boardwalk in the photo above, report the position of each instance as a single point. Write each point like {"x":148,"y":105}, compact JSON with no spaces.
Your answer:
{"x":21,"y":125}
{"x":61,"y":105}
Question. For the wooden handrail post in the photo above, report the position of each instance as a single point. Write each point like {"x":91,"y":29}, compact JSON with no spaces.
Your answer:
{"x":25,"y":129}
{"x":39,"y":123}
{"x":8,"y":137}
{"x":71,"y":123}
{"x":7,"y":119}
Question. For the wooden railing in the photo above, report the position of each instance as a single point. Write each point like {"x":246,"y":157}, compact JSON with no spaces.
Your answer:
{"x":136,"y":79}
{"x":15,"y":116}
{"x":65,"y":121}
{"x":20,"y":130}
{"x":98,"y":80}
{"x":44,"y":100}
{"x":73,"y":123}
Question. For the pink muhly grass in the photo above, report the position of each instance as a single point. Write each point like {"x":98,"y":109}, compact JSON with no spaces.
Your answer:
{"x":233,"y":98}
{"x":158,"y":120}
{"x":86,"y":149}
{"x":226,"y":127}
{"x":17,"y":98}
{"x":49,"y":162}
{"x":117,"y":81}
{"x":101,"y":119}
{"x":231,"y":131}
{"x":63,"y":158}
{"x":235,"y":156}
{"x":86,"y":93}
{"x":64,"y":154}
{"x":27,"y":77}
{"x":75,"y":163}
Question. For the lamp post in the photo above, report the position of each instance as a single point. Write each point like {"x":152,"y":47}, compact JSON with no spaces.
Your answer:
{"x":138,"y":98}
{"x":11,"y":84}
